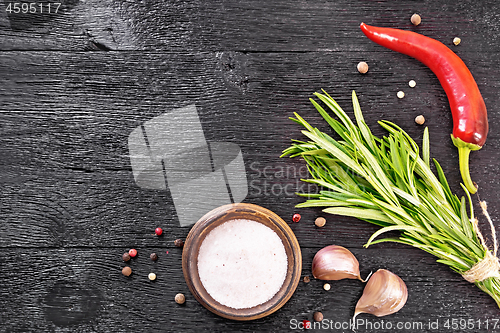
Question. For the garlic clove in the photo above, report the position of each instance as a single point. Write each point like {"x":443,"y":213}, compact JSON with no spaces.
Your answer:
{"x":384,"y":294}
{"x":335,"y":262}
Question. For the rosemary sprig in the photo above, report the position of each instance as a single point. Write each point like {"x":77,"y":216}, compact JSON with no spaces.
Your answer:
{"x":386,"y":182}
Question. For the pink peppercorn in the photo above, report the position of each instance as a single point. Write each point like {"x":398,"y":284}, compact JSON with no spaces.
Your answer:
{"x":158,"y":231}
{"x":296,"y":218}
{"x":307,"y":324}
{"x":132,"y":252}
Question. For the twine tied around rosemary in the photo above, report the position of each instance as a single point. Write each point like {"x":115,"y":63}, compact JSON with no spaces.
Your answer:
{"x":489,"y":265}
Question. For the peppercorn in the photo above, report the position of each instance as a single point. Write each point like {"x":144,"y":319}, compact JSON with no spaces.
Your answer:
{"x":153,"y":256}
{"x":456,"y":40}
{"x":296,"y":218}
{"x":415,"y":19}
{"x":307,"y":279}
{"x":152,"y":276}
{"x":362,"y":67}
{"x":318,"y":316}
{"x":180,"y":298}
{"x":179,"y":242}
{"x":126,"y":257}
{"x":132,"y":252}
{"x":326,"y":286}
{"x":158,"y":231}
{"x":401,"y":94}
{"x":320,"y":222}
{"x":126,"y":271}
{"x":420,"y":120}
{"x":412,"y":83}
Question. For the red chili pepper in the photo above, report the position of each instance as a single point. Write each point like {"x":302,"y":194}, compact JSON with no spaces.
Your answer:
{"x":470,"y":120}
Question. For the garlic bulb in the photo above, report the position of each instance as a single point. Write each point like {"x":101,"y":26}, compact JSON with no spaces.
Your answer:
{"x":384,"y":294}
{"x":335,"y":263}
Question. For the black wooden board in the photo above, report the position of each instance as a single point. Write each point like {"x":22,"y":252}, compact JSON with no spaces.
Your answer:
{"x":74,"y":85}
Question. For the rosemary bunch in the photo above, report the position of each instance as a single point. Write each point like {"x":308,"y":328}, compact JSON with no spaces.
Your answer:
{"x":386,"y":182}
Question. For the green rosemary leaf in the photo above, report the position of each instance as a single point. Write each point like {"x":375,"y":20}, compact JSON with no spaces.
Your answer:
{"x":396,"y":158}
{"x":345,"y":195}
{"x":325,"y":184}
{"x":390,"y":228}
{"x":361,"y":213}
{"x":453,"y":199}
{"x":397,"y":212}
{"x":340,"y":113}
{"x":323,"y":203}
{"x":362,"y":203}
{"x":365,"y":131}
{"x":407,"y":196}
{"x":466,"y":225}
{"x":392,"y":240}
{"x":451,"y":257}
{"x":426,"y":147}
{"x":453,"y":265}
{"x":335,"y":124}
{"x":315,"y":152}
{"x":308,"y":195}
{"x":301,"y":121}
{"x":344,"y":178}
{"x":335,"y":151}
{"x":379,"y":188}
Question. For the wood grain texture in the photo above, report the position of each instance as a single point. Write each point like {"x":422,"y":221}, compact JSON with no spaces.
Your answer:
{"x":248,"y":26}
{"x":68,"y":202}
{"x":83,"y":290}
{"x":66,"y":119}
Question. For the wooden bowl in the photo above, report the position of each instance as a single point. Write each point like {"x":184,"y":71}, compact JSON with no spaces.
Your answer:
{"x":250,"y":212}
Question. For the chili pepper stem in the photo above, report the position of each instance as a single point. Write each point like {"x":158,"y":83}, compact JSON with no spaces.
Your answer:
{"x":463,"y":157}
{"x":464,"y":150}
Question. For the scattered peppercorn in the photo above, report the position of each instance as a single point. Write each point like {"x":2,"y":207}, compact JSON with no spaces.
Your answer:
{"x":401,"y":94}
{"x":152,"y":276}
{"x":126,"y":257}
{"x":158,"y":231}
{"x":296,"y":218}
{"x":362,"y":67}
{"x":132,"y":252}
{"x":318,"y":316}
{"x":307,"y":324}
{"x":326,"y":286}
{"x":153,"y":256}
{"x":416,"y":19}
{"x":420,"y":120}
{"x":126,"y":271}
{"x":179,"y":242}
{"x":180,"y":298}
{"x":307,"y":279}
{"x":456,"y":40}
{"x":412,"y":83}
{"x":320,"y":222}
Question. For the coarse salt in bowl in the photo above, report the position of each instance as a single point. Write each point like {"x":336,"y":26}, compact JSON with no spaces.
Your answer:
{"x":241,"y":261}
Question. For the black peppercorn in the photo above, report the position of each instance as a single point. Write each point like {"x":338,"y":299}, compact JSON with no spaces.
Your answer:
{"x":179,"y":242}
{"x":126,"y":257}
{"x":154,"y":256}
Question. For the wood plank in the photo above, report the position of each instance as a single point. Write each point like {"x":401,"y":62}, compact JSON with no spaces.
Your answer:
{"x":84,"y":290}
{"x":66,"y":118}
{"x":251,"y":26}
